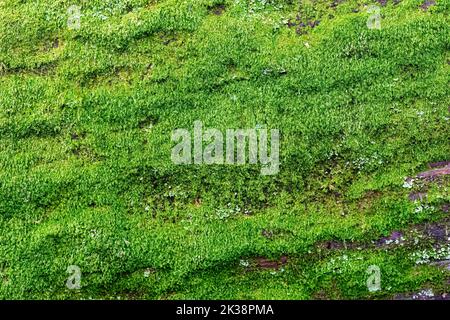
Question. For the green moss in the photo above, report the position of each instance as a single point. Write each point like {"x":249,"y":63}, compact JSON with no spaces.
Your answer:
{"x":86,"y":117}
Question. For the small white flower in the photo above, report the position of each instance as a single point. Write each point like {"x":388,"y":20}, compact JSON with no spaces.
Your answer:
{"x":244,"y":263}
{"x":147,"y":273}
{"x":408,"y":183}
{"x":426,"y":293}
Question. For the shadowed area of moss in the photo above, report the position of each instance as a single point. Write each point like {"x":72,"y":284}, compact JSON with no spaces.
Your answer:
{"x":86,"y":176}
